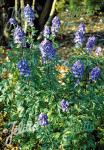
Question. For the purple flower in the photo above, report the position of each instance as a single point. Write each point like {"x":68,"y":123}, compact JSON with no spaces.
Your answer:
{"x":95,"y":73}
{"x":29,"y":14}
{"x":12,"y":21}
{"x":19,"y":35}
{"x":24,"y":68}
{"x":79,"y":38}
{"x":82,"y":28}
{"x":90,"y":43}
{"x":98,"y":51}
{"x":56,"y":24}
{"x":64,"y":105}
{"x":47,"y":49}
{"x":56,"y":21}
{"x":43,"y":119}
{"x":78,"y":69}
{"x":54,"y":31}
{"x":46,"y":32}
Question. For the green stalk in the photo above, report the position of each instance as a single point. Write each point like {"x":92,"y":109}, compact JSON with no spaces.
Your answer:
{"x":25,"y":26}
{"x":4,"y":30}
{"x":33,"y":5}
{"x":16,"y":9}
{"x":52,"y":12}
{"x":22,"y":8}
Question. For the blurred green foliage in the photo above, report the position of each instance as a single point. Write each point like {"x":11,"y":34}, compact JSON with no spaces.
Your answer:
{"x":25,"y":98}
{"x":77,"y":7}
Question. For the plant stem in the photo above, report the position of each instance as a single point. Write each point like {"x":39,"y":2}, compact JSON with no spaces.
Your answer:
{"x":33,"y":5}
{"x":16,"y":9}
{"x":52,"y":12}
{"x":22,"y":8}
{"x":25,"y":27}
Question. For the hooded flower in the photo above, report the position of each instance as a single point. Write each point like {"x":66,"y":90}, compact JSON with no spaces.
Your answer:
{"x":79,"y":38}
{"x":29,"y":14}
{"x":19,"y":35}
{"x":24,"y":68}
{"x":12,"y":21}
{"x":56,"y":24}
{"x":98,"y":51}
{"x":90,"y":43}
{"x":47,"y":49}
{"x":82,"y":28}
{"x":78,"y":69}
{"x":43,"y":119}
{"x":64,"y":105}
{"x":46,"y":32}
{"x":95,"y":73}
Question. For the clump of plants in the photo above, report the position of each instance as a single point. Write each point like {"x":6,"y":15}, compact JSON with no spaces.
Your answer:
{"x":50,"y":103}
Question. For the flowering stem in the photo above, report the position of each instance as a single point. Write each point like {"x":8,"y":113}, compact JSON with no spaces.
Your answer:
{"x":22,"y":8}
{"x":33,"y":5}
{"x":25,"y":27}
{"x":52,"y":12}
{"x":53,"y":8}
{"x":16,"y":9}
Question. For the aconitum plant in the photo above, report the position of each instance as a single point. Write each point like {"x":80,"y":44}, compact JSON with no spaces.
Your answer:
{"x":56,"y":24}
{"x":64,"y":105}
{"x":80,"y":35}
{"x":46,"y":32}
{"x":95,"y":73}
{"x":43,"y":119}
{"x":79,"y":38}
{"x":90,"y":44}
{"x":19,"y":35}
{"x":47,"y":50}
{"x":12,"y":21}
{"x":24,"y":68}
{"x":98,"y":51}
{"x":82,"y":28}
{"x":29,"y":15}
{"x":78,"y":69}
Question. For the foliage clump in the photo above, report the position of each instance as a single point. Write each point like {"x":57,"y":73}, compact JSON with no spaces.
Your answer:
{"x":50,"y":103}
